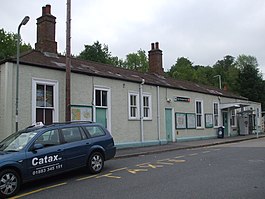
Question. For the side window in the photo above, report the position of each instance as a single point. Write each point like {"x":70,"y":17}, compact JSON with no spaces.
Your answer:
{"x":71,"y":134}
{"x":95,"y":131}
{"x":199,"y":114}
{"x":49,"y":138}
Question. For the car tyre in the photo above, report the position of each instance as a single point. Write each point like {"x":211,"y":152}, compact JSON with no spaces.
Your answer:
{"x":10,"y":182}
{"x":95,"y":163}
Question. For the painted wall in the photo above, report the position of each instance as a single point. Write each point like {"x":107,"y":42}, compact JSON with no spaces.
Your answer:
{"x":124,"y":130}
{"x":7,"y":100}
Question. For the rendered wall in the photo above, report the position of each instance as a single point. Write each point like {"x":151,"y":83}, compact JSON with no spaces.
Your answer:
{"x":124,"y":130}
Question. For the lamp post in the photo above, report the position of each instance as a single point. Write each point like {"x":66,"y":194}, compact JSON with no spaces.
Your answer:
{"x":219,"y":77}
{"x":23,"y":22}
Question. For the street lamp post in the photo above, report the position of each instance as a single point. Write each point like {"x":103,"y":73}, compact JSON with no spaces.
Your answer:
{"x":23,"y":22}
{"x":220,"y":83}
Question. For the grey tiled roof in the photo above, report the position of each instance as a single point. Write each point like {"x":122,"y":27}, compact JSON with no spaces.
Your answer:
{"x":57,"y":62}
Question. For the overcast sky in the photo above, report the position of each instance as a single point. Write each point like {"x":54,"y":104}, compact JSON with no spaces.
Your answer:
{"x":204,"y":31}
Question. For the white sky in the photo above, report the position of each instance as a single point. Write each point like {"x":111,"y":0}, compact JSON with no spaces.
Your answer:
{"x":204,"y":31}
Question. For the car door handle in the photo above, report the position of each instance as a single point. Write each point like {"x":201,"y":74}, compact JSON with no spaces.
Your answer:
{"x":59,"y":150}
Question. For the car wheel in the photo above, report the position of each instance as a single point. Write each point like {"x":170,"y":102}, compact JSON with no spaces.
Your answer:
{"x":95,"y":163}
{"x":9,"y":183}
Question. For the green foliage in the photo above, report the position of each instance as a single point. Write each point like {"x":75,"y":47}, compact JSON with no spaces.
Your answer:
{"x":250,"y":82}
{"x":182,"y":70}
{"x":100,"y":53}
{"x":96,"y":52}
{"x":244,"y":60}
{"x":202,"y":74}
{"x":228,"y":71}
{"x":136,"y":61}
{"x":8,"y":44}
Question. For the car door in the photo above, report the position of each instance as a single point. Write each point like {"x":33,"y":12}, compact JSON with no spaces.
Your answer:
{"x":76,"y":147}
{"x":48,"y":158}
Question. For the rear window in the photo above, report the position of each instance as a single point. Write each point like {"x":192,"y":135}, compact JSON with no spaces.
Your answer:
{"x":72,"y":134}
{"x":95,"y":131}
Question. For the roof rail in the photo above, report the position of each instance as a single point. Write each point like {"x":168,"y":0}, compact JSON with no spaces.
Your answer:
{"x":70,"y":122}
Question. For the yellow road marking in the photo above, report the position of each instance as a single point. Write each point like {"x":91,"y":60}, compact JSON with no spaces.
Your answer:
{"x":108,"y":175}
{"x":164,"y":161}
{"x":149,"y":165}
{"x":134,"y":171}
{"x":38,"y":190}
{"x":181,"y":156}
{"x":87,"y":177}
{"x":176,"y":161}
{"x":124,"y":168}
{"x":193,"y":154}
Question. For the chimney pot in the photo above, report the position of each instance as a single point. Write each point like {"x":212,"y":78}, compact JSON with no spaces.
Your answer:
{"x":157,"y":45}
{"x":152,"y":46}
{"x":43,"y":10}
{"x":46,"y":10}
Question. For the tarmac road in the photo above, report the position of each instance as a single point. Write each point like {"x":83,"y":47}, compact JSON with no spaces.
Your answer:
{"x":232,"y":170}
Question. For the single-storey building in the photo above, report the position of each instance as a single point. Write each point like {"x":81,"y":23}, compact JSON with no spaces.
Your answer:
{"x":138,"y":108}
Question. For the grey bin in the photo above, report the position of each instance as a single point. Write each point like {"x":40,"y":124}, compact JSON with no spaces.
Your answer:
{"x":220,"y":132}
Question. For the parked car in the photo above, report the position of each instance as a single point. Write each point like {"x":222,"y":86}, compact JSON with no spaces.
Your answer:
{"x":44,"y":150}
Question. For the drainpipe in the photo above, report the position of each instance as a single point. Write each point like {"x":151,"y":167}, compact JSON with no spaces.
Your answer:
{"x":141,"y":111}
{"x":158,"y":114}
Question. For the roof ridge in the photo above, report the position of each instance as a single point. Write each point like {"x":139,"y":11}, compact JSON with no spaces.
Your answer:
{"x":39,"y":59}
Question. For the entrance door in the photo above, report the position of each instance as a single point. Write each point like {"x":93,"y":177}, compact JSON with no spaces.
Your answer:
{"x":101,"y":116}
{"x":168,"y":120}
{"x":102,"y":102}
{"x":225,"y":123}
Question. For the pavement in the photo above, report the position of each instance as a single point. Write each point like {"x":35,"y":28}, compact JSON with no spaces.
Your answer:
{"x":137,"y":151}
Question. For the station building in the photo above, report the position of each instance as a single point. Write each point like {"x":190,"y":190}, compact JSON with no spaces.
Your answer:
{"x":139,"y":109}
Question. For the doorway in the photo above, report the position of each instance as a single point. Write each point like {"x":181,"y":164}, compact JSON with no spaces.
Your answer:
{"x":168,"y":124}
{"x":101,"y":116}
{"x":225,"y":123}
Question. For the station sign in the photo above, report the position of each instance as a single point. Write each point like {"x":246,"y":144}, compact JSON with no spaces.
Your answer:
{"x":181,"y":99}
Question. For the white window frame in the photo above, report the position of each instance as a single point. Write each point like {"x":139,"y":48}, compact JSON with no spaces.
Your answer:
{"x":108,"y":107}
{"x":202,"y":114}
{"x":214,"y":114}
{"x":101,"y":101}
{"x":137,"y":106}
{"x":55,"y":85}
{"x":149,"y":96}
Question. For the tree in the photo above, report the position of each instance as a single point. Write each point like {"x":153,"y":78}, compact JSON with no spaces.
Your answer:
{"x":250,"y":82}
{"x":203,"y":75}
{"x":96,"y":52}
{"x":228,"y":71}
{"x":8,"y":44}
{"x":136,"y":61}
{"x":100,"y":53}
{"x":182,"y":70}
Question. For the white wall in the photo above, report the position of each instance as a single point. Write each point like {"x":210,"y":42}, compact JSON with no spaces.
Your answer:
{"x":123,"y":129}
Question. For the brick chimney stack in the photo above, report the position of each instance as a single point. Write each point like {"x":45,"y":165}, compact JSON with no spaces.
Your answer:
{"x":46,"y":31}
{"x":155,"y":59}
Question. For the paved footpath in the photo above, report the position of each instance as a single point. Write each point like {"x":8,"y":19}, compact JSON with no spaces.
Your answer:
{"x":130,"y":152}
